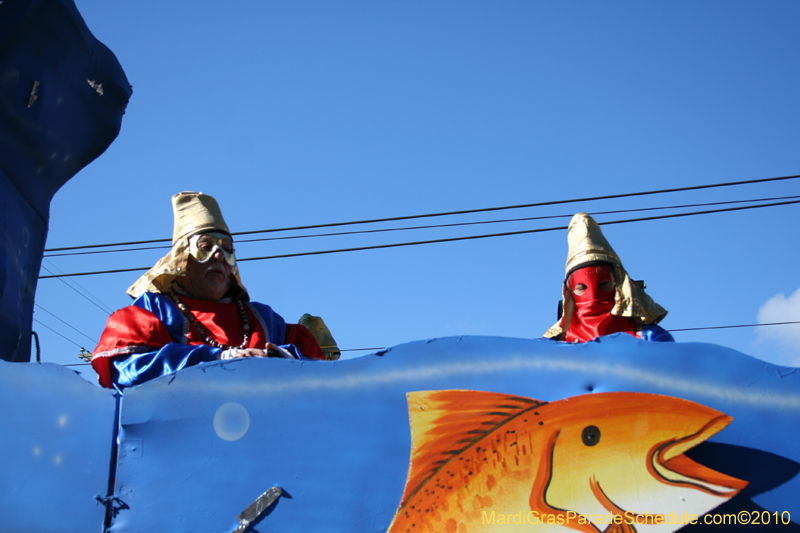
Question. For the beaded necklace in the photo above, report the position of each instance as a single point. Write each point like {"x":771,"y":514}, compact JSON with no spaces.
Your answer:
{"x":208,"y":340}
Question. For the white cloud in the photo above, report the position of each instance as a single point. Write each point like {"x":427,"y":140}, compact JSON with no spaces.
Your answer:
{"x":780,"y":344}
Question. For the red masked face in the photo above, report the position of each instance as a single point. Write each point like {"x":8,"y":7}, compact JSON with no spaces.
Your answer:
{"x":593,"y":289}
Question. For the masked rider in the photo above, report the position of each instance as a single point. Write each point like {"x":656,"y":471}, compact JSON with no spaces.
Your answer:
{"x":192,"y":307}
{"x":599,"y":296}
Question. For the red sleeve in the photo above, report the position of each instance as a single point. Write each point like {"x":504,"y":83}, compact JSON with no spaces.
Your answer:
{"x":129,"y":330}
{"x":302,"y":338}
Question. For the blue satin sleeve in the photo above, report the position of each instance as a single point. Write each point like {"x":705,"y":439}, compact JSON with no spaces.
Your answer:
{"x":166,"y":311}
{"x":141,"y":367}
{"x":295,"y":352}
{"x":276,"y":326}
{"x":655,"y":333}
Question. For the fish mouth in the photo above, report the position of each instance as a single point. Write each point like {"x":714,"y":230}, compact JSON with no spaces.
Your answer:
{"x":669,"y":465}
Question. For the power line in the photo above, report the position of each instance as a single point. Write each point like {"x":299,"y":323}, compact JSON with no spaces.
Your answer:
{"x":139,"y":249}
{"x":737,"y":326}
{"x":461,"y":212}
{"x":96,"y":303}
{"x":670,"y":330}
{"x":439,"y":226}
{"x":65,"y":322}
{"x":450,"y":239}
{"x":59,"y":334}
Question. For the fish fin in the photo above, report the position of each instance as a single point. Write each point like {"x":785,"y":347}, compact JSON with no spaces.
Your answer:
{"x":622,"y":527}
{"x":538,"y":497}
{"x":615,"y":510}
{"x":445,"y":423}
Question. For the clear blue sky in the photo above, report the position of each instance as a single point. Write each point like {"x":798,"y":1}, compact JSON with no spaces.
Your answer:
{"x":297,"y":113}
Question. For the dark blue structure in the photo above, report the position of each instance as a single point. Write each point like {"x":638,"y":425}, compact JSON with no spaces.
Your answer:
{"x":62,"y":97}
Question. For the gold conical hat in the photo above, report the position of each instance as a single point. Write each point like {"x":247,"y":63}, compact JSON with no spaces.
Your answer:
{"x":194,"y":213}
{"x":588,"y":245}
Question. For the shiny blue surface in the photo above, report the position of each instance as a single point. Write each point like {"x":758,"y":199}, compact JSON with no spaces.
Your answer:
{"x":197,"y":447}
{"x":335,"y":436}
{"x":55,"y":449}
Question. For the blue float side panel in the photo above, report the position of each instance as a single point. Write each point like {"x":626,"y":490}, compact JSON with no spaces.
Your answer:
{"x":199,"y":446}
{"x":55,"y":449}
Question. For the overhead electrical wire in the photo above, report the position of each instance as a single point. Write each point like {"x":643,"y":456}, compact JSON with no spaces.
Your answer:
{"x":670,"y":330}
{"x":508,"y":233}
{"x":449,"y":239}
{"x":96,"y":303}
{"x":519,"y":219}
{"x":64,"y":322}
{"x":439,"y":226}
{"x":461,"y":212}
{"x":139,"y":249}
{"x":737,"y":326}
{"x":436,"y":226}
{"x":59,"y":334}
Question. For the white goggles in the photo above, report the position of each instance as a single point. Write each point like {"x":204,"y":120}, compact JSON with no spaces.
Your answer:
{"x":204,"y":245}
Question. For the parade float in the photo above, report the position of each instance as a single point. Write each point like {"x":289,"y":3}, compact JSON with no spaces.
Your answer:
{"x":456,"y":434}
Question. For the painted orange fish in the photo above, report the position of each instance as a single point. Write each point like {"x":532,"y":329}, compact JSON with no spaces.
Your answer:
{"x":613,"y":462}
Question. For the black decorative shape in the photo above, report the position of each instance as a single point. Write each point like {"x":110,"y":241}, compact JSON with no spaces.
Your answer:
{"x":763,"y":470}
{"x":590,"y":435}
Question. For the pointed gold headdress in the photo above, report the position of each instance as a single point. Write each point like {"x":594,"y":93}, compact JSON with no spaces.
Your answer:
{"x":194,"y":213}
{"x":588,"y":245}
{"x":316,"y":326}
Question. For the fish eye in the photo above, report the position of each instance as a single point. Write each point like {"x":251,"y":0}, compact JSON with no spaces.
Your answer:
{"x":590,"y":435}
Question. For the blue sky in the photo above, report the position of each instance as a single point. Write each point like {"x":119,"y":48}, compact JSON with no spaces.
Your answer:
{"x":301,"y":113}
